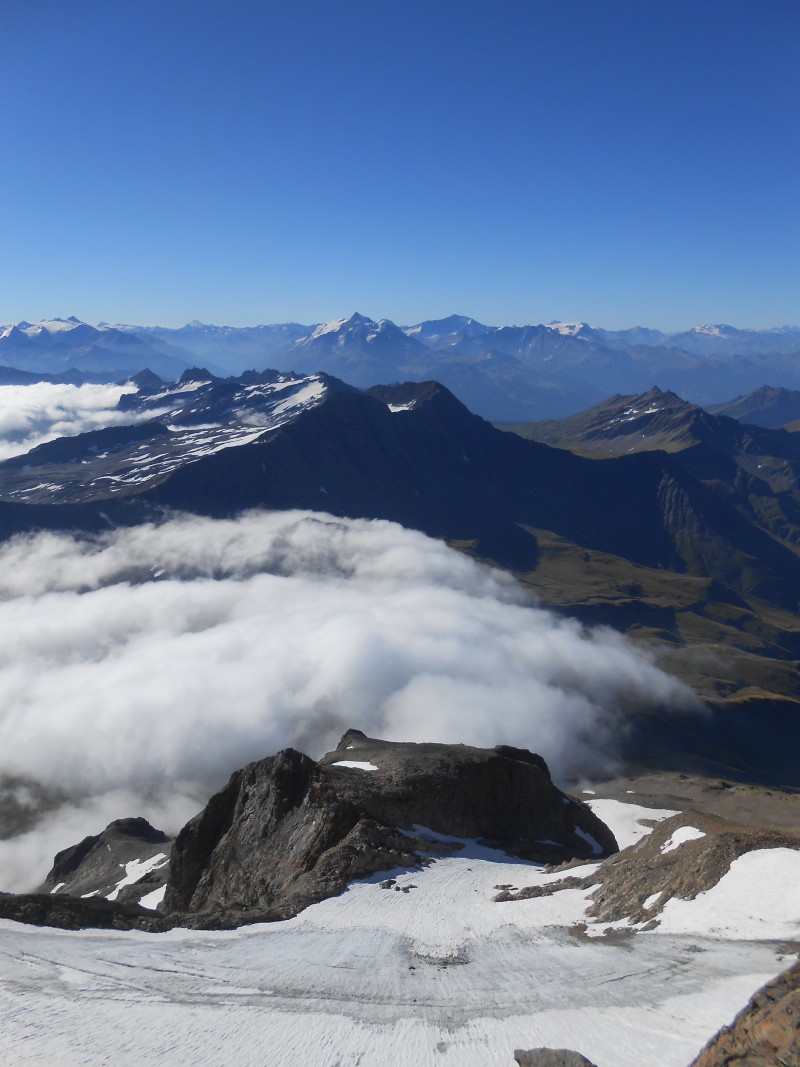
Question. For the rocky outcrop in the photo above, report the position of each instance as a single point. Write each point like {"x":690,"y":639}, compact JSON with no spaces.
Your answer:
{"x":287,"y":831}
{"x":72,"y":913}
{"x":550,"y":1057}
{"x":651,"y":871}
{"x":681,"y":857}
{"x":764,"y":1034}
{"x":127,"y":861}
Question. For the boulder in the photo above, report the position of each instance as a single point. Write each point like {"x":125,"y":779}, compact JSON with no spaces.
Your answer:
{"x":550,"y":1057}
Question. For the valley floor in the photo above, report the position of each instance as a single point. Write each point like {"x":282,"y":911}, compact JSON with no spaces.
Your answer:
{"x":424,"y":969}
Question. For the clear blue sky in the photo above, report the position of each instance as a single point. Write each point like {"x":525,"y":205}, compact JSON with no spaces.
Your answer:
{"x":617,"y":161}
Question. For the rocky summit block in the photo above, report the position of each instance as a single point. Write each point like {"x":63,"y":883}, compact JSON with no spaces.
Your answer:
{"x":288,"y":831}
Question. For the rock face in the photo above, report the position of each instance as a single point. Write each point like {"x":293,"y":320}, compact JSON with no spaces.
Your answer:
{"x":764,"y":1034}
{"x":125,"y":862}
{"x":287,"y":831}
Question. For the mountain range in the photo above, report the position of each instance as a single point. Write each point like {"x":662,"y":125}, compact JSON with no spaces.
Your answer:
{"x":445,"y":875}
{"x":685,"y":534}
{"x":504,"y":373}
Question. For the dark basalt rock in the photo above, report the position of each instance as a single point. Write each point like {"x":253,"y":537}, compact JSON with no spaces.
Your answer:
{"x":97,"y":864}
{"x":287,"y":831}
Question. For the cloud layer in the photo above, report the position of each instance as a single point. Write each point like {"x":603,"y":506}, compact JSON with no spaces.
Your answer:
{"x":146,"y":665}
{"x":30,"y":415}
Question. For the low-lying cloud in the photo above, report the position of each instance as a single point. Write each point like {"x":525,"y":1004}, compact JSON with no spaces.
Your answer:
{"x":30,"y":415}
{"x":142,"y":667}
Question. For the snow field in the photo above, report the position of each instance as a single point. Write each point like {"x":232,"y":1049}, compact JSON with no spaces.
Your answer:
{"x":426,"y":969}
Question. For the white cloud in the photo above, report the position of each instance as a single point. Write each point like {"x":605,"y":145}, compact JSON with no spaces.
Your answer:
{"x":30,"y":415}
{"x":156,"y":660}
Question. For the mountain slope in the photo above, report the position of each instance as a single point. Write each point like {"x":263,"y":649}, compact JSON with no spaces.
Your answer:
{"x":409,"y":453}
{"x":770,"y":407}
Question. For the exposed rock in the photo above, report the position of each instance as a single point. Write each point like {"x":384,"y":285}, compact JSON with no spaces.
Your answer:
{"x":550,"y":1057}
{"x":128,"y":850}
{"x":72,"y":913}
{"x":287,"y":831}
{"x":640,"y":872}
{"x":764,"y":1034}
{"x":637,"y":883}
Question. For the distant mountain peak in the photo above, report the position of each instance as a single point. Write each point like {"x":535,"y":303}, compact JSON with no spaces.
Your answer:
{"x":567,"y":329}
{"x":717,"y":330}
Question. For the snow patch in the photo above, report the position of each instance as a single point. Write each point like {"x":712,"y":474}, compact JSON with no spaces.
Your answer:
{"x":756,"y":899}
{"x":136,"y":870}
{"x":624,"y":820}
{"x":152,"y":900}
{"x":681,"y":835}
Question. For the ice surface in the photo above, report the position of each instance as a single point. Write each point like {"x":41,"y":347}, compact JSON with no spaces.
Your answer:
{"x":411,"y":967}
{"x":355,"y":764}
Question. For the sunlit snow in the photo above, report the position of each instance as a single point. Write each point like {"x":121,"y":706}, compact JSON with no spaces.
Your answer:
{"x":411,"y":967}
{"x":682,"y":834}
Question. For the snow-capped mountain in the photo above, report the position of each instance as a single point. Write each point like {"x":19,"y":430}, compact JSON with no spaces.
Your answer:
{"x":415,"y":455}
{"x":359,"y":350}
{"x":195,"y":418}
{"x":505,"y":373}
{"x":229,"y":349}
{"x":444,"y":333}
{"x":58,"y":346}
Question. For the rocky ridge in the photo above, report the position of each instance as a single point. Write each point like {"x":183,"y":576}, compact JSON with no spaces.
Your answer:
{"x":126,"y":862}
{"x":287,"y":831}
{"x":681,"y":857}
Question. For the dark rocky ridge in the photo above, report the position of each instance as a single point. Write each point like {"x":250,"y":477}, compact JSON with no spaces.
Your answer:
{"x":432,"y":466}
{"x":287,"y":831}
{"x":72,"y":913}
{"x":97,"y":864}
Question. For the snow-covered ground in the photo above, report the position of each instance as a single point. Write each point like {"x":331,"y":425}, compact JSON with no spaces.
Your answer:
{"x":425,"y":968}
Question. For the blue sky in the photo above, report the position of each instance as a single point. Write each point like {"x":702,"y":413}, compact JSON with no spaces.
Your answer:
{"x":617,"y":161}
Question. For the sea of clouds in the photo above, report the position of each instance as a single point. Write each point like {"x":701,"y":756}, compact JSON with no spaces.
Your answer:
{"x":140,"y":668}
{"x":30,"y":415}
